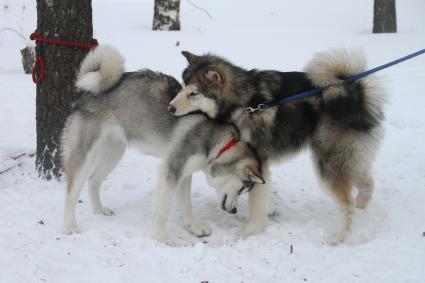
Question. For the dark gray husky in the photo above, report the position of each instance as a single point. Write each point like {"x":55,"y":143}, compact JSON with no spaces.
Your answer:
{"x":118,"y":110}
{"x":342,"y":125}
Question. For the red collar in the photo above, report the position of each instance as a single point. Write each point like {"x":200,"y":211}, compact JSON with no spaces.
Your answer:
{"x":228,"y":146}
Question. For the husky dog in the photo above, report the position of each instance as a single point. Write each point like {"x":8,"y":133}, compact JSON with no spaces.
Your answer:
{"x":117,"y":110}
{"x":342,"y":125}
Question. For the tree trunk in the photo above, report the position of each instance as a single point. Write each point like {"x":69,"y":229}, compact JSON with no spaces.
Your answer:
{"x":384,"y":16}
{"x":28,"y":58}
{"x":69,"y":20}
{"x":166,"y":15}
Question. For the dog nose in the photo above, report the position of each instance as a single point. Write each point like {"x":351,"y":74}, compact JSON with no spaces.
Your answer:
{"x":171,"y":109}
{"x":234,"y":210}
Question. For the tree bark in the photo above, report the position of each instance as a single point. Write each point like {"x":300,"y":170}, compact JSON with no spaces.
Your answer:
{"x":28,"y":58}
{"x":166,"y":15}
{"x":69,"y":20}
{"x":384,"y":16}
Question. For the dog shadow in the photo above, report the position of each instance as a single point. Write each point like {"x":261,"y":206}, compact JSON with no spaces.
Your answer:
{"x":298,"y":216}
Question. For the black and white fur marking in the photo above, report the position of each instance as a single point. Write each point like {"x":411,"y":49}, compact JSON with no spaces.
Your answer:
{"x":342,"y":126}
{"x":118,"y":110}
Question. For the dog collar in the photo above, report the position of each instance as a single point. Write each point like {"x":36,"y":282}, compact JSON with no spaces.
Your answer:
{"x":228,"y":146}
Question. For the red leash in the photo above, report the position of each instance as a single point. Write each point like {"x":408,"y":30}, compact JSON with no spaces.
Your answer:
{"x":39,"y":69}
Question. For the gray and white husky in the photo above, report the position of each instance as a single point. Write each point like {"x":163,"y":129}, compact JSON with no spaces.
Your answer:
{"x":117,"y":110}
{"x":342,"y":125}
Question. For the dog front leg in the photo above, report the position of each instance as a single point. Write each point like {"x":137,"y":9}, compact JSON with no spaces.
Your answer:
{"x":164,"y":194}
{"x":258,"y":201}
{"x":184,"y":204}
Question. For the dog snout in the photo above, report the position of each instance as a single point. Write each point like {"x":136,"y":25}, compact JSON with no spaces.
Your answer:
{"x":223,"y":202}
{"x":233,"y":210}
{"x":171,"y":109}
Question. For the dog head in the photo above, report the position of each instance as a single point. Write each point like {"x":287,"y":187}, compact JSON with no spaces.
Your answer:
{"x":234,"y":173}
{"x":212,"y":86}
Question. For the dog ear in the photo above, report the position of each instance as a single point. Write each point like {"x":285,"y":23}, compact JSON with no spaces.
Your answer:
{"x":191,"y":58}
{"x":213,"y":77}
{"x":254,"y":175}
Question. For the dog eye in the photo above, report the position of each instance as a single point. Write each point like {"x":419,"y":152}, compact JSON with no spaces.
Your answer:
{"x":246,"y":187}
{"x":193,"y":94}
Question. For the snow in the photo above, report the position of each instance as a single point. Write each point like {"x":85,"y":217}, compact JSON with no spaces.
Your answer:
{"x":387,"y":242}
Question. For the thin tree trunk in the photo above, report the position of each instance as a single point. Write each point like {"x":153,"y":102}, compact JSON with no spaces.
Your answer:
{"x":384,"y":16}
{"x":166,"y":15}
{"x":28,"y":58}
{"x":69,"y":20}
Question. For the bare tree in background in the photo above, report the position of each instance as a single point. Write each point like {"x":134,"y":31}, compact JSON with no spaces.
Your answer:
{"x":166,"y":15}
{"x":384,"y":16}
{"x":69,"y":20}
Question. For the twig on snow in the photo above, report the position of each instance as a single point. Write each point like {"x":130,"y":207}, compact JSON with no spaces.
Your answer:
{"x":18,"y":156}
{"x":22,"y":155}
{"x":18,"y":164}
{"x":23,"y":246}
{"x":10,"y":168}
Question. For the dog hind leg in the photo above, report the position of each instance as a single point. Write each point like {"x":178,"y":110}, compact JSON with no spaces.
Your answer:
{"x":77,"y":145}
{"x":76,"y":176}
{"x":365,"y":186}
{"x":340,"y":188}
{"x":184,"y":204}
{"x":108,"y":156}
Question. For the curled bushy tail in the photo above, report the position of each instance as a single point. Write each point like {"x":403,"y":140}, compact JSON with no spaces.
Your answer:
{"x":330,"y":67}
{"x":100,"y":70}
{"x":360,"y":102}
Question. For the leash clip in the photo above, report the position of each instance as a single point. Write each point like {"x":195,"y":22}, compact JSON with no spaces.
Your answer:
{"x":260,"y":107}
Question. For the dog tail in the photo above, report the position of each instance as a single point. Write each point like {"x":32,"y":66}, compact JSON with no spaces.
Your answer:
{"x":331,"y":67}
{"x":358,"y":103}
{"x":100,"y":70}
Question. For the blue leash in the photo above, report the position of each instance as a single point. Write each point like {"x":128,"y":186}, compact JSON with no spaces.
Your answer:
{"x":267,"y":105}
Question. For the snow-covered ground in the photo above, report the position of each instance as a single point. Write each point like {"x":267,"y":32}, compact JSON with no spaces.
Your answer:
{"x":387,"y":243}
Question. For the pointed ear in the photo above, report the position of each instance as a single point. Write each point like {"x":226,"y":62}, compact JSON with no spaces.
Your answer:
{"x":213,"y":77}
{"x":191,"y":58}
{"x":254,"y":175}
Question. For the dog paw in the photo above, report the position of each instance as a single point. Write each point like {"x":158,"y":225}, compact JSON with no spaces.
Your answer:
{"x":164,"y":240}
{"x":251,"y":229}
{"x":105,"y":211}
{"x":362,"y":199}
{"x":361,"y":202}
{"x":335,"y":238}
{"x":71,"y":229}
{"x":198,"y":229}
{"x":361,"y":205}
{"x":160,"y":235}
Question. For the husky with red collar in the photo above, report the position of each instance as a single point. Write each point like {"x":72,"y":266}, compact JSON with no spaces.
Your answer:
{"x":117,"y":110}
{"x":342,"y":125}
